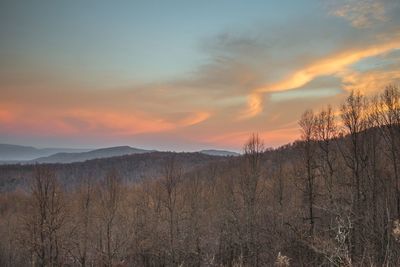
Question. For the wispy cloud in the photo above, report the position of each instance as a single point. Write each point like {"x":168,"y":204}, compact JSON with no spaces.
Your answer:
{"x":330,"y":65}
{"x":360,"y":13}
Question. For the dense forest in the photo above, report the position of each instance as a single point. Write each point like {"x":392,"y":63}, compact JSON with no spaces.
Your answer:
{"x":131,"y":168}
{"x":331,"y":198}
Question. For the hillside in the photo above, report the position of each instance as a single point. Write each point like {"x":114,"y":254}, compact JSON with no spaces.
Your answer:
{"x":131,"y":168}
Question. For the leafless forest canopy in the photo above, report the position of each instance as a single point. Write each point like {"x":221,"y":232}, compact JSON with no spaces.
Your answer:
{"x":329,"y":199}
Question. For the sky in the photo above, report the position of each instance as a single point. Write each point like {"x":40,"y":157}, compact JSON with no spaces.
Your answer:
{"x":185,"y":75}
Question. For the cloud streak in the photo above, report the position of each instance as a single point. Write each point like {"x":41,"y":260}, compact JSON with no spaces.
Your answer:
{"x":330,"y":65}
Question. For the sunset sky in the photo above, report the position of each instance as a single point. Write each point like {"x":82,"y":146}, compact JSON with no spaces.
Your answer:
{"x":185,"y":74}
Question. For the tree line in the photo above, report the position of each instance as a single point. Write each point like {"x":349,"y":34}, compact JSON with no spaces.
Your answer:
{"x":331,"y":198}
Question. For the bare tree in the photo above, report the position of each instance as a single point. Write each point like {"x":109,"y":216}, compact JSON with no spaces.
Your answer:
{"x":82,"y":222}
{"x":45,"y":219}
{"x":110,"y":198}
{"x":354,"y":114}
{"x":250,"y":190}
{"x":388,"y":120}
{"x":170,"y":185}
{"x":325,"y":133}
{"x":308,"y":125}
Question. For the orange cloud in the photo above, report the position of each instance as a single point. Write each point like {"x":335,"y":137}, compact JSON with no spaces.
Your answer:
{"x":116,"y":122}
{"x":15,"y":119}
{"x":6,"y":116}
{"x":270,"y":137}
{"x":328,"y":66}
{"x":126,"y":124}
{"x":76,"y":121}
{"x":371,"y":81}
{"x":196,"y":118}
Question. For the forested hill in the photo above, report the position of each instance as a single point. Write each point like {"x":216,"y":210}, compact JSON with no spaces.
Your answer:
{"x":150,"y":165}
{"x":130,"y":168}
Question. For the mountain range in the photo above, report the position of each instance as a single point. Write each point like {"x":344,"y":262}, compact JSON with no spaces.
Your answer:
{"x":10,"y":154}
{"x":15,"y":153}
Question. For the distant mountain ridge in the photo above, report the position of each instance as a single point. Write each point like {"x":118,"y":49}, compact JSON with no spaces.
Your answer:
{"x":15,"y":153}
{"x":93,"y":154}
{"x":11,"y":154}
